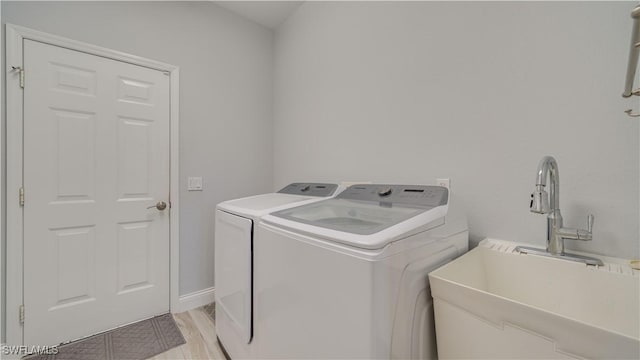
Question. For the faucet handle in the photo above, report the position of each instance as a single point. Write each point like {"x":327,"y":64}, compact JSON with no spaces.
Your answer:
{"x":577,"y":234}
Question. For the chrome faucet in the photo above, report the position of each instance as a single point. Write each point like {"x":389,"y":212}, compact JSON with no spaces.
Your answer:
{"x":543,"y":203}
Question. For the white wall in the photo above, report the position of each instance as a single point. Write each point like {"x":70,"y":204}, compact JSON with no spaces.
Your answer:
{"x":478,"y":92}
{"x":225,"y":97}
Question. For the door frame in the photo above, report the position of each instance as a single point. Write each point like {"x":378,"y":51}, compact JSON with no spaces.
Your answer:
{"x":14,"y":141}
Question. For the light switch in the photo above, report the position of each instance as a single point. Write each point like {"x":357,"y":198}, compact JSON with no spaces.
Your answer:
{"x":194,"y":184}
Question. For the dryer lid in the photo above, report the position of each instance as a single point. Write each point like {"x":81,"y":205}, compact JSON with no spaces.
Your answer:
{"x":263,"y":202}
{"x":291,"y":195}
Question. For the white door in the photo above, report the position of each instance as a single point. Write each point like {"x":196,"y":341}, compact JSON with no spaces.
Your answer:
{"x":96,"y":156}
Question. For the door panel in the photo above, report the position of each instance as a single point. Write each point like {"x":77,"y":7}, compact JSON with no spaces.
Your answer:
{"x":73,"y":259}
{"x":134,"y":263}
{"x":96,"y":155}
{"x":75,"y":155}
{"x":133,"y":153}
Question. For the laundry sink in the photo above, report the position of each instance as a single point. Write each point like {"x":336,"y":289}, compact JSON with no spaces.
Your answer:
{"x":494,"y":302}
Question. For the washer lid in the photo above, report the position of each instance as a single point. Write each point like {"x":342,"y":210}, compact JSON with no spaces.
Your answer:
{"x":368,"y":216}
{"x":351,"y":216}
{"x":373,"y":231}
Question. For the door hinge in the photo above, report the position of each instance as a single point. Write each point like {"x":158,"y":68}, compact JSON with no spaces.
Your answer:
{"x":20,"y":71}
{"x":21,"y":196}
{"x":21,"y":314}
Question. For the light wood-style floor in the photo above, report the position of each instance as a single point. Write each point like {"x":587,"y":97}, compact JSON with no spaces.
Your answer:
{"x":200,"y":333}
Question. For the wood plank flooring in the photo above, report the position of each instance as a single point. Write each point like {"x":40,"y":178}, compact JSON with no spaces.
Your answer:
{"x":199,"y":331}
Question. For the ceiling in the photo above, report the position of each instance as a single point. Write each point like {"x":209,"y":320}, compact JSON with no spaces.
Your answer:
{"x":267,"y":13}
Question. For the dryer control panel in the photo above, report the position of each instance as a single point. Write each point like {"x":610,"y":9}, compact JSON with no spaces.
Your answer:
{"x":310,"y":189}
{"x":420,"y":195}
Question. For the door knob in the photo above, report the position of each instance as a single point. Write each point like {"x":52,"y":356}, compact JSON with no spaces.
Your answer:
{"x":161,"y":205}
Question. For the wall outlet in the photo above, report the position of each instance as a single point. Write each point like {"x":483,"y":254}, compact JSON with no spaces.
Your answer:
{"x":444,"y":182}
{"x":194,"y":184}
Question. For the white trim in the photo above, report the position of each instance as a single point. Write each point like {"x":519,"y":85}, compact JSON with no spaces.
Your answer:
{"x":26,"y":33}
{"x":196,"y":299}
{"x":2,"y":238}
{"x":14,"y":40}
{"x":174,"y":191}
{"x":13,"y":45}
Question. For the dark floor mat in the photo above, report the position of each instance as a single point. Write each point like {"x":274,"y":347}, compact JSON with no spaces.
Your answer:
{"x":136,"y":341}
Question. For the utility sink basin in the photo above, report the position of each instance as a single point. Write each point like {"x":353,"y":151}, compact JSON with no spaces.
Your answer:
{"x":494,"y":302}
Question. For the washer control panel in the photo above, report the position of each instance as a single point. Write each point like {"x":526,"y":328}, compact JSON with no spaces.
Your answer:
{"x":310,"y":189}
{"x":420,"y":195}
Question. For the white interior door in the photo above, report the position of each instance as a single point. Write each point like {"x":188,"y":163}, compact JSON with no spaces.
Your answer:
{"x":96,"y":156}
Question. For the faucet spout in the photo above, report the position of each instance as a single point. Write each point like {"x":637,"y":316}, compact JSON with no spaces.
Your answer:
{"x":543,"y":202}
{"x":548,"y":168}
{"x":549,"y":203}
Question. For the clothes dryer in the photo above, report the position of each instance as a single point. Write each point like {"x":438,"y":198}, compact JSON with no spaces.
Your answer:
{"x":234,"y":270}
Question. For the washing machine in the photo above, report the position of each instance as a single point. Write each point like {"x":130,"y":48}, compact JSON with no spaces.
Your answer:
{"x":347,"y":277}
{"x":234,"y":271}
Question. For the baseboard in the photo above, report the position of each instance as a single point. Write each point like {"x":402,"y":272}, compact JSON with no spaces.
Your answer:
{"x":196,"y":299}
